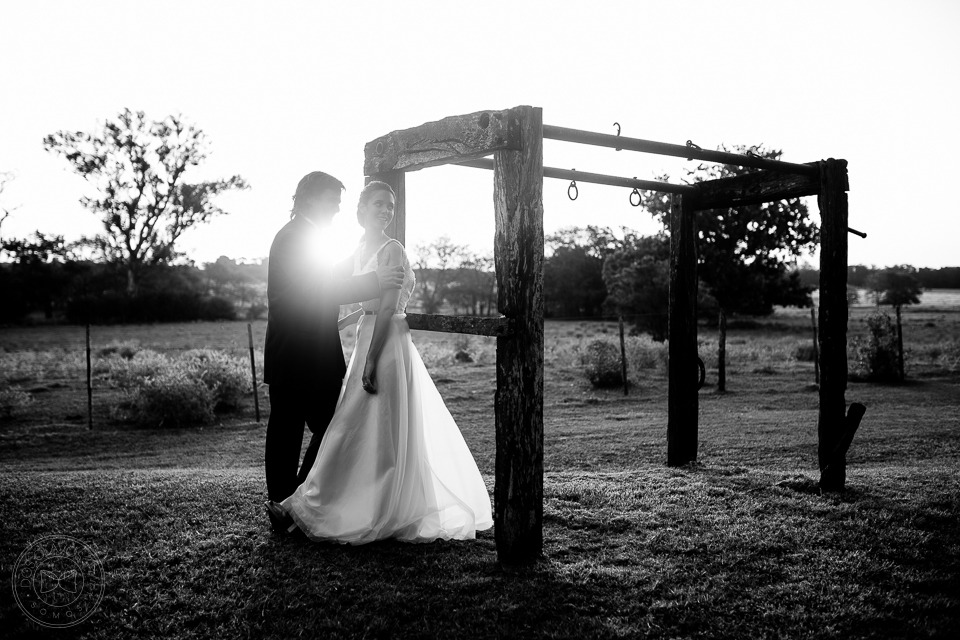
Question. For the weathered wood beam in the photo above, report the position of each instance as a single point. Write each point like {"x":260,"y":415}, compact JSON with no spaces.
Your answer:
{"x":755,"y":188}
{"x":831,"y":421}
{"x":474,"y":325}
{"x":518,"y":254}
{"x":682,"y":397}
{"x":455,"y":138}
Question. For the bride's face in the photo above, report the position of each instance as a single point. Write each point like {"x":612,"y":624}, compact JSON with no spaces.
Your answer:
{"x":377,"y":212}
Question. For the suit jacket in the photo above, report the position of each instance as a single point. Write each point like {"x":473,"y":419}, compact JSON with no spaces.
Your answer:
{"x":302,"y":347}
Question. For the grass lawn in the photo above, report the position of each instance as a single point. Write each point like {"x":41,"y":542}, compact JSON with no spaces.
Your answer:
{"x":738,"y":545}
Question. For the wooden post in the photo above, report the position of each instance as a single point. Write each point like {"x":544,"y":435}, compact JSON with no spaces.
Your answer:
{"x":682,"y":400}
{"x":816,"y":346}
{"x":89,"y":385}
{"x":722,"y":352}
{"x":518,"y":255}
{"x":398,"y":228}
{"x":831,"y":422}
{"x":623,"y":357}
{"x":899,"y":345}
{"x":253,"y":372}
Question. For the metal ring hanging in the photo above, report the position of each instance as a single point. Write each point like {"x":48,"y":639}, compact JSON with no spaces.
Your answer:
{"x":635,"y":192}
{"x":573,"y":187}
{"x":617,"y":125}
{"x":693,"y":146}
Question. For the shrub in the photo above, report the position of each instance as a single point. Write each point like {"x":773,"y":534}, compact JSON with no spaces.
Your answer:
{"x":125,"y":350}
{"x":602,"y":364}
{"x":183,"y":390}
{"x":643,"y":352}
{"x":805,"y":353}
{"x":12,"y":400}
{"x":217,"y":308}
{"x":129,"y":374}
{"x":256,"y":311}
{"x":173,"y":398}
{"x":877,"y":355}
{"x":228,"y":378}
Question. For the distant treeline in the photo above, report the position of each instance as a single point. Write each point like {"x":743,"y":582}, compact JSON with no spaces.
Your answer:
{"x":857,"y":275}
{"x":83,"y":291}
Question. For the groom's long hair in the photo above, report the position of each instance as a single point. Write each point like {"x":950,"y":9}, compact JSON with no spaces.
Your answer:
{"x":314,"y":183}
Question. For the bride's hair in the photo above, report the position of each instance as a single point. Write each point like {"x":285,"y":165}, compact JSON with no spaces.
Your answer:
{"x":368,"y":191}
{"x":314,"y":183}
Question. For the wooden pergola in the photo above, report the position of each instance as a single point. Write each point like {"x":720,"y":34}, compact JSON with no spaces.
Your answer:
{"x":515,"y":139}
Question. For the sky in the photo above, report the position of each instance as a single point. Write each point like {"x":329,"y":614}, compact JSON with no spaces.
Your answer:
{"x":285,"y":88}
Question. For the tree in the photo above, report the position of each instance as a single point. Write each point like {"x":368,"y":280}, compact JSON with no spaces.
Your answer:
{"x":36,"y":279}
{"x":637,"y":279}
{"x":473,"y":285}
{"x":573,"y":281}
{"x":5,"y":178}
{"x":436,"y":264}
{"x":138,"y":167}
{"x":744,"y":251}
{"x":896,"y":286}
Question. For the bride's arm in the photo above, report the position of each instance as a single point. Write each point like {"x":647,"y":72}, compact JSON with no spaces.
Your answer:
{"x":392,"y":255}
{"x":349,"y":319}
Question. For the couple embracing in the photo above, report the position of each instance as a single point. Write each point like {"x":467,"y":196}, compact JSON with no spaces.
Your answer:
{"x":385,"y":459}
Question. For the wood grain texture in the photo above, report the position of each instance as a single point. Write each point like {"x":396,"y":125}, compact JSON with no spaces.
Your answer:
{"x":473,"y":325}
{"x":831,"y":421}
{"x":682,"y":398}
{"x":433,"y":143}
{"x":518,"y":254}
{"x":755,"y":188}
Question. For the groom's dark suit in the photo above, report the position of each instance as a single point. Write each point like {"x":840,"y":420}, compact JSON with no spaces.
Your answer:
{"x":303,"y":358}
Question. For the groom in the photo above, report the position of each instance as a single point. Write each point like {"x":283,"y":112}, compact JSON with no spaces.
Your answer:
{"x":303,"y":358}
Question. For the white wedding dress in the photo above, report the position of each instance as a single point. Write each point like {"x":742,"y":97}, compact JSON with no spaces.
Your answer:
{"x":391,"y":464}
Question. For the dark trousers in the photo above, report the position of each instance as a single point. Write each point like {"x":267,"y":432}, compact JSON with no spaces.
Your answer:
{"x":290,"y":408}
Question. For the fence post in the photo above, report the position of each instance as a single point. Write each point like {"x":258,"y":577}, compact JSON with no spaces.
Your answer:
{"x":253,"y":372}
{"x":89,"y":385}
{"x":623,"y":357}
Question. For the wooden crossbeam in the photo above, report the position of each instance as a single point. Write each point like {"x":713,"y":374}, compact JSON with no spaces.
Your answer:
{"x":755,"y":188}
{"x":677,"y":150}
{"x":594,"y":178}
{"x":474,"y":325}
{"x":449,"y":140}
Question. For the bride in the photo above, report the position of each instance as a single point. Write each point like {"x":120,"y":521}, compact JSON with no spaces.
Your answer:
{"x":392,"y":463}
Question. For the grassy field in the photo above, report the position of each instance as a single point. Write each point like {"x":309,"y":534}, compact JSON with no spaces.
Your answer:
{"x":738,"y":545}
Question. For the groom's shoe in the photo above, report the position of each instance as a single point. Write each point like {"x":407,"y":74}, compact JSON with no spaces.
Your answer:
{"x":280,"y":520}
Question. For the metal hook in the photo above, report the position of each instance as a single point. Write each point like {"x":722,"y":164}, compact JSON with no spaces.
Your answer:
{"x":617,"y":125}
{"x":693,"y":146}
{"x":576,"y":191}
{"x":635,"y":192}
{"x":753,"y":154}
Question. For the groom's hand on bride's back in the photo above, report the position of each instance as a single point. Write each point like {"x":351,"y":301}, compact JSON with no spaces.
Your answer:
{"x":390,"y":277}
